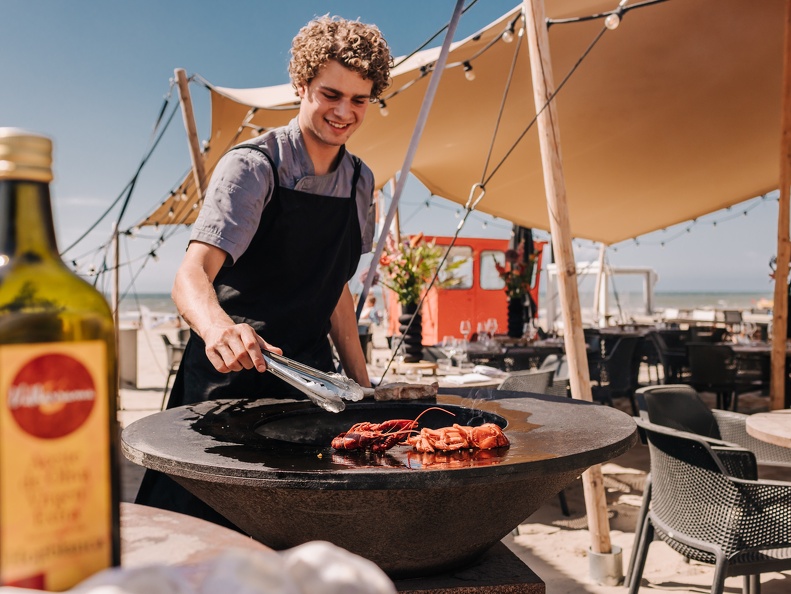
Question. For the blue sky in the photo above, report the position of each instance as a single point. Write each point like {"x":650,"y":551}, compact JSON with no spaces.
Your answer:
{"x":93,"y":76}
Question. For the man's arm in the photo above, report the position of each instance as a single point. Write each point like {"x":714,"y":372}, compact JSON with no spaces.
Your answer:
{"x":346,"y":339}
{"x":229,"y":346}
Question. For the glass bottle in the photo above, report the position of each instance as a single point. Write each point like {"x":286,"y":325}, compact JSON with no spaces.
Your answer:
{"x":59,"y":488}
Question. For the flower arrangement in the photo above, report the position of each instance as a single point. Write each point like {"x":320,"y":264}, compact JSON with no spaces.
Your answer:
{"x":517,"y":272}
{"x":407,"y":267}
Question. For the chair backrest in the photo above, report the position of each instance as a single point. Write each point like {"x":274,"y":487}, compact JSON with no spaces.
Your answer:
{"x":677,"y":406}
{"x":710,"y":364}
{"x":706,"y":334}
{"x":622,"y":365}
{"x":184,"y":335}
{"x":174,"y":352}
{"x":559,"y":387}
{"x":535,"y":381}
{"x":693,"y":492}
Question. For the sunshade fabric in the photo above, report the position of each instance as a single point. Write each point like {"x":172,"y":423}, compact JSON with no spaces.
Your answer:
{"x":673,"y":115}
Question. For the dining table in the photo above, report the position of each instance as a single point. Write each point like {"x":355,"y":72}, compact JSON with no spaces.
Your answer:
{"x":513,"y":354}
{"x":772,"y":427}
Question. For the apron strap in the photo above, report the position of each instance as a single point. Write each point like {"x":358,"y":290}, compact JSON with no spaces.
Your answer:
{"x":255,"y":147}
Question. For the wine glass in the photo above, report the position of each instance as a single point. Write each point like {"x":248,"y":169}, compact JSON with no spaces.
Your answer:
{"x":491,"y":327}
{"x":449,"y":344}
{"x":483,"y":334}
{"x":465,"y":328}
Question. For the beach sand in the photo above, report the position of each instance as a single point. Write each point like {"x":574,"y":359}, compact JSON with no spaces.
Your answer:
{"x":552,"y":545}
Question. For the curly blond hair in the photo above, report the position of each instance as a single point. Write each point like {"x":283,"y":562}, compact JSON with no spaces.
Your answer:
{"x":357,"y":46}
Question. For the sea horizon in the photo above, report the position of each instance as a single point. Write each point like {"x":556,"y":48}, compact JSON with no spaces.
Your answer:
{"x":629,"y":301}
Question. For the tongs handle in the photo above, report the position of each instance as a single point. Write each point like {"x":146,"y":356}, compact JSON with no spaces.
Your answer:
{"x":280,"y":367}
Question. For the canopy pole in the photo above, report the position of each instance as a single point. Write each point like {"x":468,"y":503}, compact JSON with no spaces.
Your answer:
{"x":198,"y":169}
{"x":599,"y":300}
{"x":780,"y":305}
{"x":555,"y":187}
{"x":115,"y":289}
{"x":425,"y":107}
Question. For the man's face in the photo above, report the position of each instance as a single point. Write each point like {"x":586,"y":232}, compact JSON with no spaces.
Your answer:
{"x":333,"y":105}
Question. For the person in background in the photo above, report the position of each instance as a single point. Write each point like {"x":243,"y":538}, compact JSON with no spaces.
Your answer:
{"x":284,"y":221}
{"x":369,"y":312}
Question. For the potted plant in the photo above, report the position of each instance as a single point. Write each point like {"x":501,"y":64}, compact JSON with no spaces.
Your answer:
{"x":407,"y":268}
{"x":517,"y":274}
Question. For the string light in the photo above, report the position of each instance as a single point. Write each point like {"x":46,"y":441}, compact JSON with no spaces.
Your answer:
{"x":508,"y":34}
{"x":612,"y":21}
{"x":469,"y":73}
{"x":383,"y":108}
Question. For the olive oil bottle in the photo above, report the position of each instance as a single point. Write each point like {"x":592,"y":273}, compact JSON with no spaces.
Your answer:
{"x":59,"y":491}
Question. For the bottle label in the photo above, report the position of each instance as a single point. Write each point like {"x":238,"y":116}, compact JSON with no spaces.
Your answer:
{"x":55,"y":480}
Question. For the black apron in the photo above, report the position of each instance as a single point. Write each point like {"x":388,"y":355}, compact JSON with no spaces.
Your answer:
{"x":286,"y":286}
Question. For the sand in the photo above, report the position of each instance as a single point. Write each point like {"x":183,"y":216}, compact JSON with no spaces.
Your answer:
{"x":553,"y":545}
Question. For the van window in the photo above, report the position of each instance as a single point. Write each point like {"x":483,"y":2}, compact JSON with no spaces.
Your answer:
{"x":464,"y":272}
{"x":490,"y":280}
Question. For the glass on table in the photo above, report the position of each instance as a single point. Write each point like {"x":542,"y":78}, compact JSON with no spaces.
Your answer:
{"x":449,"y":346}
{"x":465,"y":327}
{"x":444,"y":365}
{"x":491,"y":326}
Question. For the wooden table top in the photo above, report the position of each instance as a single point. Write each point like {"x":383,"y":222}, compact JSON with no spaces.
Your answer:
{"x":772,"y":427}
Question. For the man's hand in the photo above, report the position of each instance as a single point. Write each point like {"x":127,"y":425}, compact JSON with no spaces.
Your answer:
{"x":236,"y":347}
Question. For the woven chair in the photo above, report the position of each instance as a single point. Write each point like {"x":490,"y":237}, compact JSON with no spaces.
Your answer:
{"x":536,"y":381}
{"x":175,"y":353}
{"x":707,"y":505}
{"x":714,"y":368}
{"x":678,"y":406}
{"x":616,"y":374}
{"x":672,"y":354}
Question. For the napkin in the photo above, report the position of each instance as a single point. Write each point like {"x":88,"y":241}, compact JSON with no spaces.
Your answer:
{"x":490,"y":371}
{"x":467,"y":378}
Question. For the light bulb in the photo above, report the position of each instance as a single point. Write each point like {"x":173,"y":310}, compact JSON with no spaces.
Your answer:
{"x":469,"y":73}
{"x":508,"y":35}
{"x":612,"y":21}
{"x":383,"y":108}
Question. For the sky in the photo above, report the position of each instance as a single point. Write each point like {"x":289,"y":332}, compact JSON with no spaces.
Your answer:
{"x":93,"y":75}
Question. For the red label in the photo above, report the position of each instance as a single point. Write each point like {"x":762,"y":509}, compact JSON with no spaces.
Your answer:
{"x":51,"y":396}
{"x":35,"y":581}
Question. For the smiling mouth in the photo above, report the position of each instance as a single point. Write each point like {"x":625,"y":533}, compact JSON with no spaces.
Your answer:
{"x":337,"y":126}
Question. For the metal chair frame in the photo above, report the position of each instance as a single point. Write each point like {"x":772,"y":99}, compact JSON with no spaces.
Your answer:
{"x":707,"y":505}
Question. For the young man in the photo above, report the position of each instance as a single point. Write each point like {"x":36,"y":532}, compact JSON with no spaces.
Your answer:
{"x":285,"y":219}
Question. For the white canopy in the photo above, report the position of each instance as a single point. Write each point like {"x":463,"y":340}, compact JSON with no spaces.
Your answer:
{"x":673,"y":115}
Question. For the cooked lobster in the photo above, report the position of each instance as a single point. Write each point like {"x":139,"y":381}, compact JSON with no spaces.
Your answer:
{"x":377,"y":437}
{"x":458,"y":437}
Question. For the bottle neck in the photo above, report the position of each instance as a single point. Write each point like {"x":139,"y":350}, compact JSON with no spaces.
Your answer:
{"x":26,"y":227}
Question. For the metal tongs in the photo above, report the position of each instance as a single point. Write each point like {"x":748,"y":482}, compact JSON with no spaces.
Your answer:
{"x":328,"y":390}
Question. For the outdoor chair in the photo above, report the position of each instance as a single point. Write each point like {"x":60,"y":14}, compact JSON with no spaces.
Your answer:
{"x":714,"y":368}
{"x":707,"y":504}
{"x":672,"y":355}
{"x":616,"y":374}
{"x":174,"y":353}
{"x":559,"y":387}
{"x":184,"y":335}
{"x":707,"y":334}
{"x":536,"y":380}
{"x":679,"y":406}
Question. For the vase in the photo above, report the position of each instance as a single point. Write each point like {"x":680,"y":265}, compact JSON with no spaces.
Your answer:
{"x":413,"y":337}
{"x":516,"y":317}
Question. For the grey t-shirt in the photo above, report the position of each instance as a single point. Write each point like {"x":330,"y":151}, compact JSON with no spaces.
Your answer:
{"x":241,"y":186}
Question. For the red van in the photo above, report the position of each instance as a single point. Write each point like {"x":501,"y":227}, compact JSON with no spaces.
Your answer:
{"x":478,"y":297}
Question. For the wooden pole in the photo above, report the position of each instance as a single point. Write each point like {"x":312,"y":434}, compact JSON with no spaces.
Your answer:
{"x":560,"y":227}
{"x":600,"y":300}
{"x":198,"y":169}
{"x":780,"y":306}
